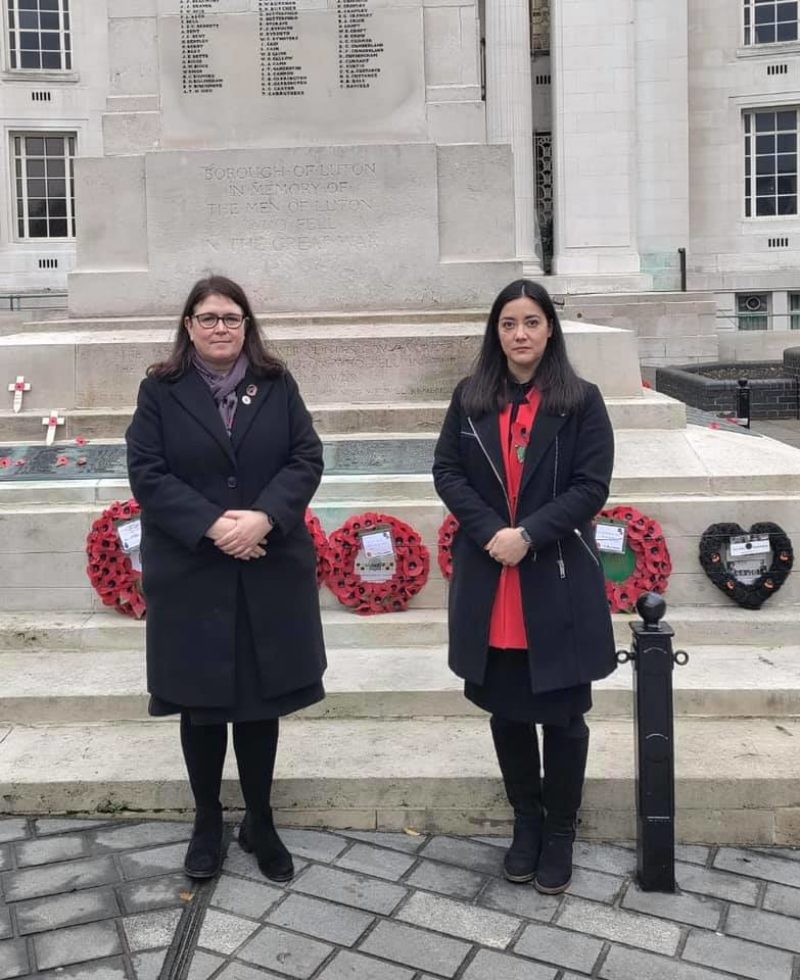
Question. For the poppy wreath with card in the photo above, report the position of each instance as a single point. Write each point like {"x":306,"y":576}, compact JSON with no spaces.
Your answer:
{"x":644,"y":567}
{"x":320,"y":539}
{"x":411,"y":565}
{"x":110,"y":571}
{"x":446,"y":534}
{"x":751,"y":595}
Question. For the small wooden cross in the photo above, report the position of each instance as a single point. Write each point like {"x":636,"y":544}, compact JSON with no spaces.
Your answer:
{"x":19,"y":387}
{"x":52,"y":422}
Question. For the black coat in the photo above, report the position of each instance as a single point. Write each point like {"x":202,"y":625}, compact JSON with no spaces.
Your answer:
{"x":565,"y":483}
{"x":185,"y":471}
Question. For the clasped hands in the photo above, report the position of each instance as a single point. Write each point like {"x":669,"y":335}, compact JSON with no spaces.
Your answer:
{"x":241,"y":533}
{"x":507,"y":547}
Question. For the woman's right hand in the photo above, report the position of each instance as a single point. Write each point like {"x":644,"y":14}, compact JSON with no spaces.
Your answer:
{"x":221,"y":528}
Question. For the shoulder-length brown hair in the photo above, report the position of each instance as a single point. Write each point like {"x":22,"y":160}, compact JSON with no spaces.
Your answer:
{"x":263,"y":364}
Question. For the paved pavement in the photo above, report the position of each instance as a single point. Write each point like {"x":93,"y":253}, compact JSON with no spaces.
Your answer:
{"x":106,"y":899}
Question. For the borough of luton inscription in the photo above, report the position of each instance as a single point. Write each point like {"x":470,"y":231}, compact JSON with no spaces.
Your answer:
{"x":195,"y":30}
{"x":304,"y":206}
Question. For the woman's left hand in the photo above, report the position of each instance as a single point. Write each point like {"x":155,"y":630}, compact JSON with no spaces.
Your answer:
{"x":507,"y":547}
{"x":250,"y":529}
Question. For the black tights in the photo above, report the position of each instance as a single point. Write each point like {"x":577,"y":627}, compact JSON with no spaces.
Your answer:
{"x":255,"y":744}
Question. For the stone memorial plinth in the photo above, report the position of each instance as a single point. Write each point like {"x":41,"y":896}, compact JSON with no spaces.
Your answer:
{"x":331,"y":155}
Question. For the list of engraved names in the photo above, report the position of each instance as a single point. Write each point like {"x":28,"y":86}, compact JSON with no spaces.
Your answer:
{"x":195,"y":36}
{"x":279,"y":26}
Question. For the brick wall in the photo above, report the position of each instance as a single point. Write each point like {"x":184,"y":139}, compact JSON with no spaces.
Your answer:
{"x":773,"y":398}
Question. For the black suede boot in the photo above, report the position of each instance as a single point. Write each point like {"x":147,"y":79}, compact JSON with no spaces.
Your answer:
{"x":565,"y":752}
{"x":256,"y":744}
{"x":204,"y":752}
{"x":517,"y":749}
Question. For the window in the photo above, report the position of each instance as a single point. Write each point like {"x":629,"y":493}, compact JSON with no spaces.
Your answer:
{"x":44,"y":185}
{"x":752,"y":311}
{"x":39,"y":35}
{"x":769,"y":21}
{"x":770,"y":163}
{"x":794,"y":307}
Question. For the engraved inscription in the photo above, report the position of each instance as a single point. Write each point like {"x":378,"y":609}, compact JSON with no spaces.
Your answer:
{"x":195,"y":29}
{"x":277,"y":28}
{"x":302,"y":207}
{"x":357,"y":50}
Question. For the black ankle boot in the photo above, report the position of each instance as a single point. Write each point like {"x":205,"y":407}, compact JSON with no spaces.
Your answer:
{"x":522,"y":858}
{"x":554,"y":873}
{"x":259,"y":835}
{"x":204,"y":855}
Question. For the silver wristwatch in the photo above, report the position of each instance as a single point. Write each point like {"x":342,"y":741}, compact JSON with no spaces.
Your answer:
{"x":525,"y":536}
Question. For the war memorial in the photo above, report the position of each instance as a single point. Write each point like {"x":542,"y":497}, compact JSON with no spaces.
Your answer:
{"x":340,"y":161}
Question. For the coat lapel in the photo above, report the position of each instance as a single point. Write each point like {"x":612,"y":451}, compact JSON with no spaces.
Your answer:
{"x":194,"y":395}
{"x":545,"y":429}
{"x":246,"y":413}
{"x":488,"y":429}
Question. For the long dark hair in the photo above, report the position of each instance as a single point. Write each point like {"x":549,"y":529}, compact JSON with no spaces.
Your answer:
{"x":263,"y":364}
{"x":486,"y":389}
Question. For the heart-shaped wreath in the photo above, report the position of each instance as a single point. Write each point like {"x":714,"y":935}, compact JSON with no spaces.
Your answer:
{"x":751,"y":595}
{"x":393,"y":593}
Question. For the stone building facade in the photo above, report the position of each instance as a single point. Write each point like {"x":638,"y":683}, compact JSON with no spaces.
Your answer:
{"x":655,"y":141}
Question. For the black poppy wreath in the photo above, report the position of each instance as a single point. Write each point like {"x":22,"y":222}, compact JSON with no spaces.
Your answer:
{"x":115,"y":579}
{"x":644,"y":567}
{"x":410,"y":573}
{"x":751,"y":595}
{"x":110,"y":571}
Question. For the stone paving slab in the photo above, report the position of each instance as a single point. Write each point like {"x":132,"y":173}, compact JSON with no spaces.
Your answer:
{"x":380,"y":906}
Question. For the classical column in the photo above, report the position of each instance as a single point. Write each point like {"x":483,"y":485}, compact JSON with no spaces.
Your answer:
{"x":509,"y":111}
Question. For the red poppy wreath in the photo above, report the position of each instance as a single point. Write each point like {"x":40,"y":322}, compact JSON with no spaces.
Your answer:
{"x":446,"y":534}
{"x":115,"y":579}
{"x":645,"y":565}
{"x":371,"y":583}
{"x":110,"y":571}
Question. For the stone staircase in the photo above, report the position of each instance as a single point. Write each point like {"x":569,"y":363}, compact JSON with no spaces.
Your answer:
{"x":395,"y":744}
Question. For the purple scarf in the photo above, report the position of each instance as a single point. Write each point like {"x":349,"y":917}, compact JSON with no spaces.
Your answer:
{"x":223,"y":386}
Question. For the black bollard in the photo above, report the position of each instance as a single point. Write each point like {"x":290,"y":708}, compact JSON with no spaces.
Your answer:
{"x":652,"y":658}
{"x":743,"y":402}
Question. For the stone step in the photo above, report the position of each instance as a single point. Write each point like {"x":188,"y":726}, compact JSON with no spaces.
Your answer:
{"x":769,"y":628}
{"x":736,"y":780}
{"x":405,"y":361}
{"x":651,"y":410}
{"x":60,"y":687}
{"x":42,"y":542}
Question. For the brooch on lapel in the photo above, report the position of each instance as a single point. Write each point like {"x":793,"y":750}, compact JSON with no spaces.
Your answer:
{"x":249,"y":395}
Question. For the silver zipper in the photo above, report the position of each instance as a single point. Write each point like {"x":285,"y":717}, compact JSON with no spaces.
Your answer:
{"x":494,"y":470}
{"x":562,"y":568}
{"x":586,"y":546}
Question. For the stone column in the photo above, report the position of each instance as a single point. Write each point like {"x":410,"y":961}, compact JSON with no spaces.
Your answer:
{"x":509,"y":111}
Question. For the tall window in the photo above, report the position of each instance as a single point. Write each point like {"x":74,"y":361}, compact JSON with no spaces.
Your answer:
{"x":770,"y":162}
{"x":794,"y":308}
{"x":45,"y":186}
{"x":39,"y":34}
{"x":770,"y":21}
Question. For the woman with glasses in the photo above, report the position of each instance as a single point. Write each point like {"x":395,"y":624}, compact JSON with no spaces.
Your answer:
{"x":223,"y":459}
{"x":524,"y":463}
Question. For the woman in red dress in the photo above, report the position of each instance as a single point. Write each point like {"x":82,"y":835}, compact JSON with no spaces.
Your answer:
{"x":524,"y":463}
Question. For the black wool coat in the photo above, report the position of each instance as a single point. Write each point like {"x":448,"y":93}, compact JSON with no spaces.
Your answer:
{"x":185,"y":471}
{"x":565,"y":483}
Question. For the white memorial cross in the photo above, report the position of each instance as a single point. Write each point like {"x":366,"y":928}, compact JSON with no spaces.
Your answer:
{"x":19,"y":387}
{"x":52,"y":422}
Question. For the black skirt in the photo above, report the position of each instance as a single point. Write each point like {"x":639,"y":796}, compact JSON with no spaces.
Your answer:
{"x":506,"y":692}
{"x":250,"y":703}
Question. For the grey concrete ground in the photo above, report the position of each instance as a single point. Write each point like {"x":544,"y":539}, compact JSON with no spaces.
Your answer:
{"x":784,"y":430}
{"x":97,"y":900}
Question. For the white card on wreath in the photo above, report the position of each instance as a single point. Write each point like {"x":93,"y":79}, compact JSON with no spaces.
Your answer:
{"x":610,"y":538}
{"x":130,"y":535}
{"x":377,"y":544}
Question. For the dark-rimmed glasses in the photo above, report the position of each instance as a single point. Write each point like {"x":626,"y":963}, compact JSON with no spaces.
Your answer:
{"x":209,"y":321}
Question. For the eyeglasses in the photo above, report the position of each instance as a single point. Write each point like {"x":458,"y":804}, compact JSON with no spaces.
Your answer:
{"x":209,"y":321}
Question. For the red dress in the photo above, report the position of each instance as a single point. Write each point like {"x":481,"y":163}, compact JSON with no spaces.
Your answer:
{"x":507,"y":628}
